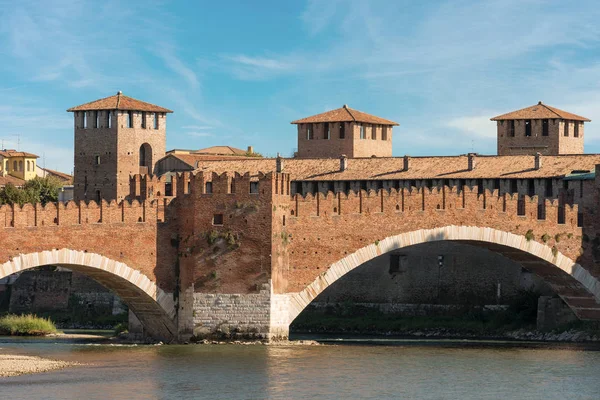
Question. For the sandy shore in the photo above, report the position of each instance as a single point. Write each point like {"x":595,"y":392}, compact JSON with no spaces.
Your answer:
{"x":13,"y":365}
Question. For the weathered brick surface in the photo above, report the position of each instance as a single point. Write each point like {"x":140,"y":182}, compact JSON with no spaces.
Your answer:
{"x":351,"y":145}
{"x":117,"y":148}
{"x":554,"y":144}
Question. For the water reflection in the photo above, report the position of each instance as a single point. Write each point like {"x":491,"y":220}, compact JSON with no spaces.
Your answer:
{"x":318,"y":372}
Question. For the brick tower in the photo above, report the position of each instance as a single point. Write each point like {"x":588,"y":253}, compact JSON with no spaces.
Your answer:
{"x":344,"y":131}
{"x":540,"y":129}
{"x":115,"y":137}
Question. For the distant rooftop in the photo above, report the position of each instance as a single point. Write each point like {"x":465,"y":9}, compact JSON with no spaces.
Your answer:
{"x":15,"y":153}
{"x":345,"y":114}
{"x":119,"y":102}
{"x":540,"y":111}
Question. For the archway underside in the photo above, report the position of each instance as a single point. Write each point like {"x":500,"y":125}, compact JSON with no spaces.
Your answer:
{"x":153,"y":307}
{"x":575,"y":285}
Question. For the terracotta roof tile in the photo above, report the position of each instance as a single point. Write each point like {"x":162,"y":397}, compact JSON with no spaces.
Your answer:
{"x":11,"y":179}
{"x":191,"y":159}
{"x":345,"y":114}
{"x":221,"y":150}
{"x":14,"y":153}
{"x":540,"y":111}
{"x":119,"y":102}
{"x":57,"y":174}
{"x":450,"y":167}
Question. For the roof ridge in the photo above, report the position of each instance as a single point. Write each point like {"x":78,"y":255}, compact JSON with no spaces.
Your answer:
{"x":119,"y":93}
{"x":348,"y":111}
{"x":550,"y":109}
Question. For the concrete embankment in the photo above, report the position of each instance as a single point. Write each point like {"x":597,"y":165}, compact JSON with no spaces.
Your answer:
{"x":14,"y":365}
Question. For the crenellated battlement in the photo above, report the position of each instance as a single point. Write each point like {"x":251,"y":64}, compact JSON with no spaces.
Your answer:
{"x":77,"y":213}
{"x":444,"y":199}
{"x":208,"y":182}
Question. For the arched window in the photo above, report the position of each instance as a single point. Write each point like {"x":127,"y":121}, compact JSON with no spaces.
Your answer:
{"x":20,"y":165}
{"x":146,"y":156}
{"x":15,"y":166}
{"x":28,"y":166}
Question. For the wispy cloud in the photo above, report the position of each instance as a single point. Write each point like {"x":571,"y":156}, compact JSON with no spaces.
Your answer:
{"x":258,"y":68}
{"x":199,"y":134}
{"x":167,"y":54}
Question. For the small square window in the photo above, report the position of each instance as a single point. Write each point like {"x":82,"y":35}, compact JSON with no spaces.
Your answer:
{"x":97,"y":160}
{"x":254,"y":187}
{"x":218,"y":219}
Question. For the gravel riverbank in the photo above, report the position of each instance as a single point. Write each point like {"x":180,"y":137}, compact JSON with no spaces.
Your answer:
{"x":14,"y":365}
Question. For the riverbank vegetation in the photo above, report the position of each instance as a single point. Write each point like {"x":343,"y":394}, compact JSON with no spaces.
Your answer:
{"x":26,"y":325}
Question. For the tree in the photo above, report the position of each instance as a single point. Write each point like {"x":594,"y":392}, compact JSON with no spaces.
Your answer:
{"x":37,"y":190}
{"x":10,"y":194}
{"x":43,"y":190}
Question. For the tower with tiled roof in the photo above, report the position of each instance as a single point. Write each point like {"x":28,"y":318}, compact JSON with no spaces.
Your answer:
{"x":540,"y":129}
{"x":344,"y":131}
{"x":115,"y":137}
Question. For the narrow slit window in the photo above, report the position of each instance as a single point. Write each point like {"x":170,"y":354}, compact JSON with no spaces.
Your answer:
{"x":85,"y":122}
{"x":384,"y":129}
{"x":130,"y":119}
{"x":143,"y":120}
{"x":528,"y":127}
{"x":96,"y":119}
{"x":362,"y":132}
{"x":108,"y":119}
{"x":208,"y":188}
{"x":511,"y":128}
{"x":373,"y":132}
{"x":576,"y":129}
{"x":97,"y":160}
{"x":155,"y":120}
{"x":544,"y":127}
{"x":342,"y":131}
{"x":566,"y":129}
{"x":327,"y":130}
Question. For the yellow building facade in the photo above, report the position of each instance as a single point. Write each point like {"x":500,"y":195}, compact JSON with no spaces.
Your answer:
{"x":18,"y":164}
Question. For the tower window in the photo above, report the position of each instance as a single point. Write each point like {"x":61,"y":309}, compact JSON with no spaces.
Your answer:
{"x":96,"y":119}
{"x":511,"y":128}
{"x":327,"y":131}
{"x":544,"y":127}
{"x":143,"y":120}
{"x":232,"y":186}
{"x":155,"y":120}
{"x":549,"y":188}
{"x":576,"y":129}
{"x":530,"y":187}
{"x":362,"y":132}
{"x":109,"y":119}
{"x":21,"y":166}
{"x":566,"y":130}
{"x":217,"y":219}
{"x":374,"y":132}
{"x":208,"y":188}
{"x":310,"y":135}
{"x":254,"y":187}
{"x":84,"y":120}
{"x":342,"y":131}
{"x":384,"y":129}
{"x":97,"y":160}
{"x":130,"y":119}
{"x":527,"y":127}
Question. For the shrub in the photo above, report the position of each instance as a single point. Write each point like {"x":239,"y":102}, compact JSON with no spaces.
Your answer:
{"x":26,"y":325}
{"x":545,"y":237}
{"x":529,"y":235}
{"x":120,"y":328}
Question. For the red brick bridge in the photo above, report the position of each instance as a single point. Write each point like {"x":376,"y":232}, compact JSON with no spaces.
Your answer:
{"x":238,"y":254}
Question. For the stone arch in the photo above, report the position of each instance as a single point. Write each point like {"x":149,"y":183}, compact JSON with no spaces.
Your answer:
{"x":582,"y":292}
{"x":154,"y":308}
{"x":146,"y":156}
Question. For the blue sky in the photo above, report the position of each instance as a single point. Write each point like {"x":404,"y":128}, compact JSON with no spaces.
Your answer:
{"x":237,"y":72}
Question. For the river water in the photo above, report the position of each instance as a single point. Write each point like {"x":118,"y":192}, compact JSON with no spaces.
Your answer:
{"x":342,"y":370}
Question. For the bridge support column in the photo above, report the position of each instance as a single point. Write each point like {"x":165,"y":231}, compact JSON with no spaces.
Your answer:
{"x":261,"y":315}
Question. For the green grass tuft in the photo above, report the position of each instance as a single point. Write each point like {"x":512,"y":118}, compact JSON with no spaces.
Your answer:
{"x":26,"y":325}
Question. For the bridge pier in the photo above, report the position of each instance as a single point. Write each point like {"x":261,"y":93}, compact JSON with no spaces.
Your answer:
{"x":261,"y":315}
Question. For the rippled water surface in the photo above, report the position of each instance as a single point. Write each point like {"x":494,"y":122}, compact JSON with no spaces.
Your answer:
{"x":384,"y":370}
